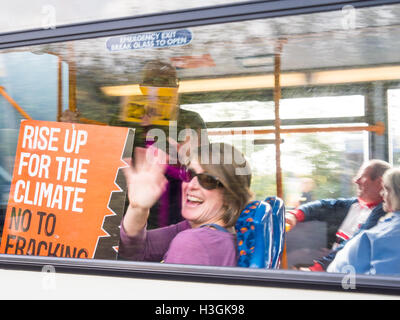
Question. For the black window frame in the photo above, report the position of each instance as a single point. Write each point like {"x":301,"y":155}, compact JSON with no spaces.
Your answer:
{"x":170,"y":20}
{"x":179,"y":19}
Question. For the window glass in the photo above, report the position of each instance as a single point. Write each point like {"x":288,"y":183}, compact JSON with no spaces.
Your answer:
{"x":331,"y":161}
{"x":48,"y":14}
{"x":61,"y":167}
{"x":295,"y":108}
{"x":394,"y":108}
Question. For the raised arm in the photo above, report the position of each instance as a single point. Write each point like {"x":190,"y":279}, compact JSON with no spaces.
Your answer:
{"x":146,"y":182}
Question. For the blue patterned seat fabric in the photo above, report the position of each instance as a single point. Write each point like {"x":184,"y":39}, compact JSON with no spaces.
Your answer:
{"x":261,"y":234}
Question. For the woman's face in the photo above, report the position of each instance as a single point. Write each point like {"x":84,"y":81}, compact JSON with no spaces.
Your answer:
{"x":387,"y":195}
{"x":199,"y":205}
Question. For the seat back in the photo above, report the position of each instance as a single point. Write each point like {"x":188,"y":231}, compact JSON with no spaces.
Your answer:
{"x":260,"y":232}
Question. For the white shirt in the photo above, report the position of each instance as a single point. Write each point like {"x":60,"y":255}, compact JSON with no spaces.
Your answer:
{"x":355,"y":218}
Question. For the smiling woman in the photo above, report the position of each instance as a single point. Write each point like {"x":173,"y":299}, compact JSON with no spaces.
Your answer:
{"x":213,"y":195}
{"x":305,"y":90}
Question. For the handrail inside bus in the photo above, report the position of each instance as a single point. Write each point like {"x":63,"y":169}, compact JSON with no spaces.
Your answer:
{"x":378,"y":128}
{"x":4,"y":93}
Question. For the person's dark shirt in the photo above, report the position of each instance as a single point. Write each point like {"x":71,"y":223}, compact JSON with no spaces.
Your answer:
{"x":171,"y":200}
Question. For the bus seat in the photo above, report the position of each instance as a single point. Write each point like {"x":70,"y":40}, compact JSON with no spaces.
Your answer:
{"x":261,"y":234}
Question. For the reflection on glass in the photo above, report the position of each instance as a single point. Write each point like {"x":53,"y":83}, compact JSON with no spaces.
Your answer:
{"x":47,"y":14}
{"x":333,"y":75}
{"x":294,"y":108}
{"x":330,"y":160}
{"x":394,"y":134}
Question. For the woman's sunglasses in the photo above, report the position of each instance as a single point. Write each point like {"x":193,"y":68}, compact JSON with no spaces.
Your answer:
{"x":206,"y":180}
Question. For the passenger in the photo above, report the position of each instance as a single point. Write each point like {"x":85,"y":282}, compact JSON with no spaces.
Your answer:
{"x":352,"y":214}
{"x":214,"y":193}
{"x":377,"y":250}
{"x":157,"y":73}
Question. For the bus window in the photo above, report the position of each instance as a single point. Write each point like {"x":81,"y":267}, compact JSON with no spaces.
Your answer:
{"x":342,"y":153}
{"x":394,"y":109}
{"x":50,"y":15}
{"x":291,"y":108}
{"x":302,"y":97}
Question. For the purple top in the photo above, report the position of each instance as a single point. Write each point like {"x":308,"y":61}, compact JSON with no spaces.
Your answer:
{"x":179,"y":243}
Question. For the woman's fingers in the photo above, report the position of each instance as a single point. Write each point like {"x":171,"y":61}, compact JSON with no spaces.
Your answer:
{"x":145,"y":188}
{"x":145,"y":158}
{"x":146,"y":180}
{"x":140,"y":158}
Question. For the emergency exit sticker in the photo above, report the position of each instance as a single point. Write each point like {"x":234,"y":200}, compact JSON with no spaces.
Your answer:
{"x":159,"y":39}
{"x":63,"y":180}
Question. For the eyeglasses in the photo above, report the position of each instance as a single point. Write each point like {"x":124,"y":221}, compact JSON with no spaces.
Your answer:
{"x":207,"y":181}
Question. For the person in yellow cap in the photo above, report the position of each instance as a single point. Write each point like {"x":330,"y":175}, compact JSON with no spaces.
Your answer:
{"x":158,"y":75}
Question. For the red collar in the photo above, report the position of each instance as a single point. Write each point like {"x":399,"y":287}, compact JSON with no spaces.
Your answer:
{"x":369,"y":205}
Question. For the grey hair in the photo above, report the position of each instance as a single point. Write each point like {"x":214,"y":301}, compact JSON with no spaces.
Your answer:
{"x":391,"y":178}
{"x":378,"y":168}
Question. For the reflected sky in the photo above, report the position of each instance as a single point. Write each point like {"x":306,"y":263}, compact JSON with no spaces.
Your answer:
{"x":300,"y":108}
{"x":22,"y":14}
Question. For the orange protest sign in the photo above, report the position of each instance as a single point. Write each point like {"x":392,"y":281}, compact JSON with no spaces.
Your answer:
{"x":63,"y":182}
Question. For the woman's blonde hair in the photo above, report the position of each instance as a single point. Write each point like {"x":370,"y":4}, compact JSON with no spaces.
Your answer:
{"x":229,"y":165}
{"x":391,"y":178}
